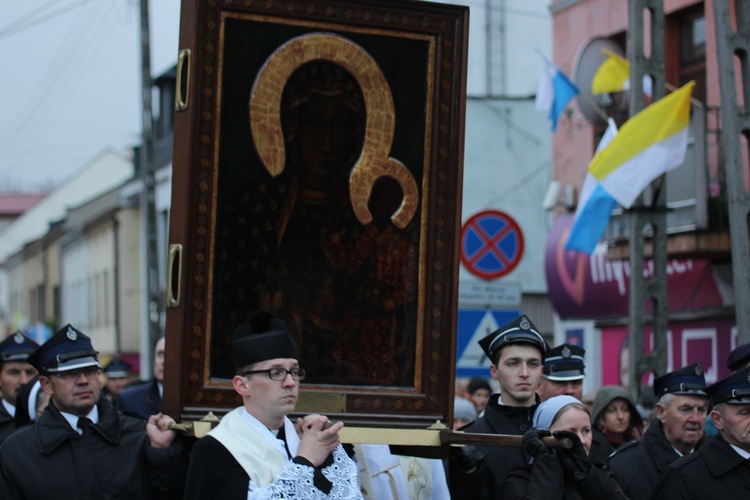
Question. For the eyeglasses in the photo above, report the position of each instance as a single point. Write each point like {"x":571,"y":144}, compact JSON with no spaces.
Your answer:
{"x":280,"y":374}
{"x":89,"y":372}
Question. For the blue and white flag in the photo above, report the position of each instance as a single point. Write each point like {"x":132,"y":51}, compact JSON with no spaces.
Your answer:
{"x":554,"y":92}
{"x":595,"y":206}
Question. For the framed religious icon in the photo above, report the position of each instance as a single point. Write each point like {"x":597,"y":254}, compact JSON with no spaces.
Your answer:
{"x":317,"y":175}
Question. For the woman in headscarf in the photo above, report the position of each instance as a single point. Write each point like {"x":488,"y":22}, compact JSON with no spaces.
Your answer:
{"x":616,"y":421}
{"x":560,"y":473}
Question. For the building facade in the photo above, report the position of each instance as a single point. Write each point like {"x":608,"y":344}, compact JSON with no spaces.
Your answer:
{"x":591,"y":293}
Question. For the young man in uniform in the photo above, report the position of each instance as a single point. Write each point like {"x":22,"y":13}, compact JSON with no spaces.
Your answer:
{"x":517,"y":353}
{"x":256,"y":451}
{"x":15,"y":371}
{"x":719,"y":468}
{"x":678,"y":431}
{"x":81,"y":447}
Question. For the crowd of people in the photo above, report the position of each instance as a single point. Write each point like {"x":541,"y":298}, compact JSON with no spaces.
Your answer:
{"x":66,"y":434}
{"x":608,"y":445}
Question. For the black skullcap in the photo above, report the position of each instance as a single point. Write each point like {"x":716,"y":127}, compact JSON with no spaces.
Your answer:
{"x":687,"y":381}
{"x":520,"y":330}
{"x":735,"y":389}
{"x":564,"y":362}
{"x":17,"y":347}
{"x":739,"y":356}
{"x":262,"y":337}
{"x":68,"y":349}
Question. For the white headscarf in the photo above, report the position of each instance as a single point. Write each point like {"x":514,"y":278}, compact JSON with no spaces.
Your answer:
{"x":31,"y":403}
{"x":546,"y":412}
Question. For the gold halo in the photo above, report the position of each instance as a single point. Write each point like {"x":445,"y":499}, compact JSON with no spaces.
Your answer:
{"x":373,"y":162}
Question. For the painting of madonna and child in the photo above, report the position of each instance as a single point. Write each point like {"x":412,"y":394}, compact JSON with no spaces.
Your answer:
{"x":319,"y":212}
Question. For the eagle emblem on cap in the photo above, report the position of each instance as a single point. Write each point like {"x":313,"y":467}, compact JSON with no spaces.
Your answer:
{"x":72,"y":335}
{"x":698,"y":369}
{"x":18,"y":338}
{"x":524,"y":324}
{"x":566,"y":352}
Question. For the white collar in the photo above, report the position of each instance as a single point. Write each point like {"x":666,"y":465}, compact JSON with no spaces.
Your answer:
{"x":9,"y":408}
{"x":93,"y":415}
{"x":680,"y":453}
{"x":744,"y":454}
{"x":292,"y":440}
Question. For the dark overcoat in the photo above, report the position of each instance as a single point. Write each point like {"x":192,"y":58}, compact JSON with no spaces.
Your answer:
{"x":487,"y":480}
{"x":143,"y":399}
{"x":113,"y":459}
{"x":546,"y":480}
{"x":638,"y":464}
{"x":715,"y":470}
{"x":7,"y":423}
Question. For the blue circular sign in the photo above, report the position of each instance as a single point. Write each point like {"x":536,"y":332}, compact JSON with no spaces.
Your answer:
{"x":491,"y":244}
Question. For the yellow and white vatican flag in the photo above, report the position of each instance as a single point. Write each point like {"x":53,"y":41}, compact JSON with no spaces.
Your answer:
{"x":614,"y":76}
{"x":649,"y":144}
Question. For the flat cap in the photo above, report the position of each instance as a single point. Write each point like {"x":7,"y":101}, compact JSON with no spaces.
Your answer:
{"x":687,"y":381}
{"x":68,"y":349}
{"x":735,"y":389}
{"x":520,"y":330}
{"x":564,"y":362}
{"x":118,"y":368}
{"x":17,"y":347}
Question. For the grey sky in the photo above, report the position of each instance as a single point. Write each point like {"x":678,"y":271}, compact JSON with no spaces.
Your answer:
{"x":70,"y":82}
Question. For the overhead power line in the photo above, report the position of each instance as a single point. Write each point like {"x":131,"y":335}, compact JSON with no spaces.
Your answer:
{"x":36,"y":17}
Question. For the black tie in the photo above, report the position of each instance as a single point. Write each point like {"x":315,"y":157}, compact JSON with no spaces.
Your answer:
{"x":282,"y":436}
{"x":83,"y":424}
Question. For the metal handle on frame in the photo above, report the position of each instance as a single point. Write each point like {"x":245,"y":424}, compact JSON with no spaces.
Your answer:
{"x":174,"y":275}
{"x":182,"y":96}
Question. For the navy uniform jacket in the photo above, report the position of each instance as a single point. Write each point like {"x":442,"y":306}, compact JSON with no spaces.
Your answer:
{"x":638,"y":464}
{"x":487,"y":481}
{"x":114,"y":459}
{"x":143,"y":400}
{"x":713,"y":471}
{"x":7,"y":423}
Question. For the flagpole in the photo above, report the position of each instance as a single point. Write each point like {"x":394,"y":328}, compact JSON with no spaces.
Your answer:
{"x":693,"y":100}
{"x":594,"y":105}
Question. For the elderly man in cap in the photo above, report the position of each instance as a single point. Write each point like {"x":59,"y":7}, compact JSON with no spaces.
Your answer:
{"x":738,"y":359}
{"x":676,"y":432}
{"x":257,"y":451}
{"x":516,"y":351}
{"x":563,"y":372}
{"x":720,"y":468}
{"x":15,"y":371}
{"x":81,"y":447}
